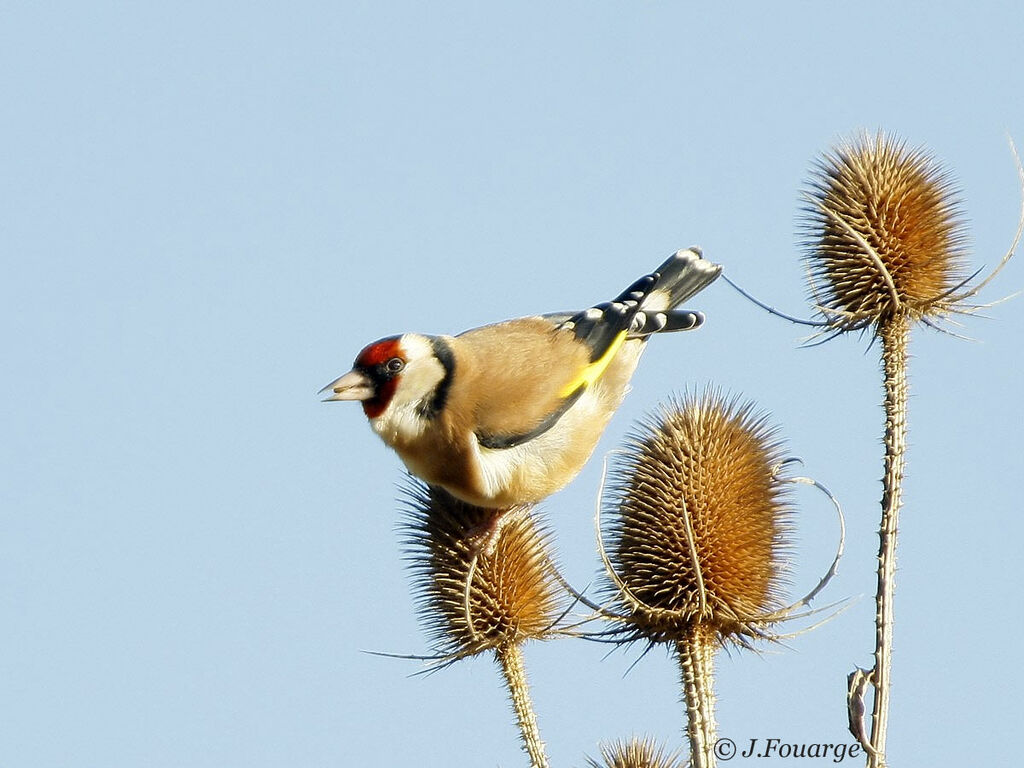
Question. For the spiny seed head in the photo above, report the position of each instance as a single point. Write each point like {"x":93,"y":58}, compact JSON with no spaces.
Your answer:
{"x":514,"y":595}
{"x":699,"y":521}
{"x":883,"y":234}
{"x":635,"y":753}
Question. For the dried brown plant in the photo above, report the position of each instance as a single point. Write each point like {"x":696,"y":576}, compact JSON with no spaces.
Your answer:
{"x":885,"y":248}
{"x":884,"y":235}
{"x":484,"y":581}
{"x":635,"y":753}
{"x":699,"y":521}
{"x":699,"y":524}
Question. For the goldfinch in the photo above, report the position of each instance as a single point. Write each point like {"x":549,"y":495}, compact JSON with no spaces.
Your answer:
{"x":509,"y":413}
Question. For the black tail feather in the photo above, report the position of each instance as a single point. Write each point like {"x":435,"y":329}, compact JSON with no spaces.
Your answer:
{"x":683,"y":275}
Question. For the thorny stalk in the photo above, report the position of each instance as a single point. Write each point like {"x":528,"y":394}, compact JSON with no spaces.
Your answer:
{"x":697,"y":667}
{"x":894,"y":333}
{"x":511,"y":659}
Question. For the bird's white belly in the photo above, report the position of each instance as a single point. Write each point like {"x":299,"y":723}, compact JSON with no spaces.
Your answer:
{"x":539,"y":467}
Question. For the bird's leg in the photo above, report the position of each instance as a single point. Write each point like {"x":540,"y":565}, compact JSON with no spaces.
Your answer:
{"x":484,"y":536}
{"x":482,"y":540}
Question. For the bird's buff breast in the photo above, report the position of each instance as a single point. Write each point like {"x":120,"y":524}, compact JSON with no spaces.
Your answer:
{"x":501,"y":478}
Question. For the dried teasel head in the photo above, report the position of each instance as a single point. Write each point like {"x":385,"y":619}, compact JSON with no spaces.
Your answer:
{"x":698,"y":523}
{"x":512,"y":595}
{"x":635,"y":753}
{"x":883,"y":235}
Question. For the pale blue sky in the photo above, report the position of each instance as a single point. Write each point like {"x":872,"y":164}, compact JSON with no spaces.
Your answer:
{"x":209,"y":208}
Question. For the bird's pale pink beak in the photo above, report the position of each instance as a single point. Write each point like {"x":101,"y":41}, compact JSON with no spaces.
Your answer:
{"x":354,"y":385}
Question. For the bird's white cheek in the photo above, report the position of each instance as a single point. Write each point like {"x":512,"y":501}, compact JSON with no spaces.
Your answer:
{"x":398,"y":423}
{"x":380,"y":426}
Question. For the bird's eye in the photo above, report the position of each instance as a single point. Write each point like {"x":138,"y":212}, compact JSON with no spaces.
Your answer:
{"x":394,"y":365}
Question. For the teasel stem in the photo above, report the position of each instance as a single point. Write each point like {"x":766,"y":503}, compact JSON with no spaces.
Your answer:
{"x":511,"y":659}
{"x":697,"y":665}
{"x":894,"y":333}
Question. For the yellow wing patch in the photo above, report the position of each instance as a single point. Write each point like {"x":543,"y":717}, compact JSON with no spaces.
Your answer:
{"x":593,"y":372}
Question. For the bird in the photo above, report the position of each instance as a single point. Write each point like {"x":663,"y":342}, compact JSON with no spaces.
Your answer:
{"x":507,"y":414}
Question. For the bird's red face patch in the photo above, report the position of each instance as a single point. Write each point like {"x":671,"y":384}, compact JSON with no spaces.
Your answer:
{"x":382,"y":362}
{"x":379,"y":352}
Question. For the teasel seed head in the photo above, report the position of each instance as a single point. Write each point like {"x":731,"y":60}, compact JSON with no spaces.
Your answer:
{"x":883,"y":234}
{"x":635,"y":753}
{"x":514,"y":595}
{"x":699,"y":522}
